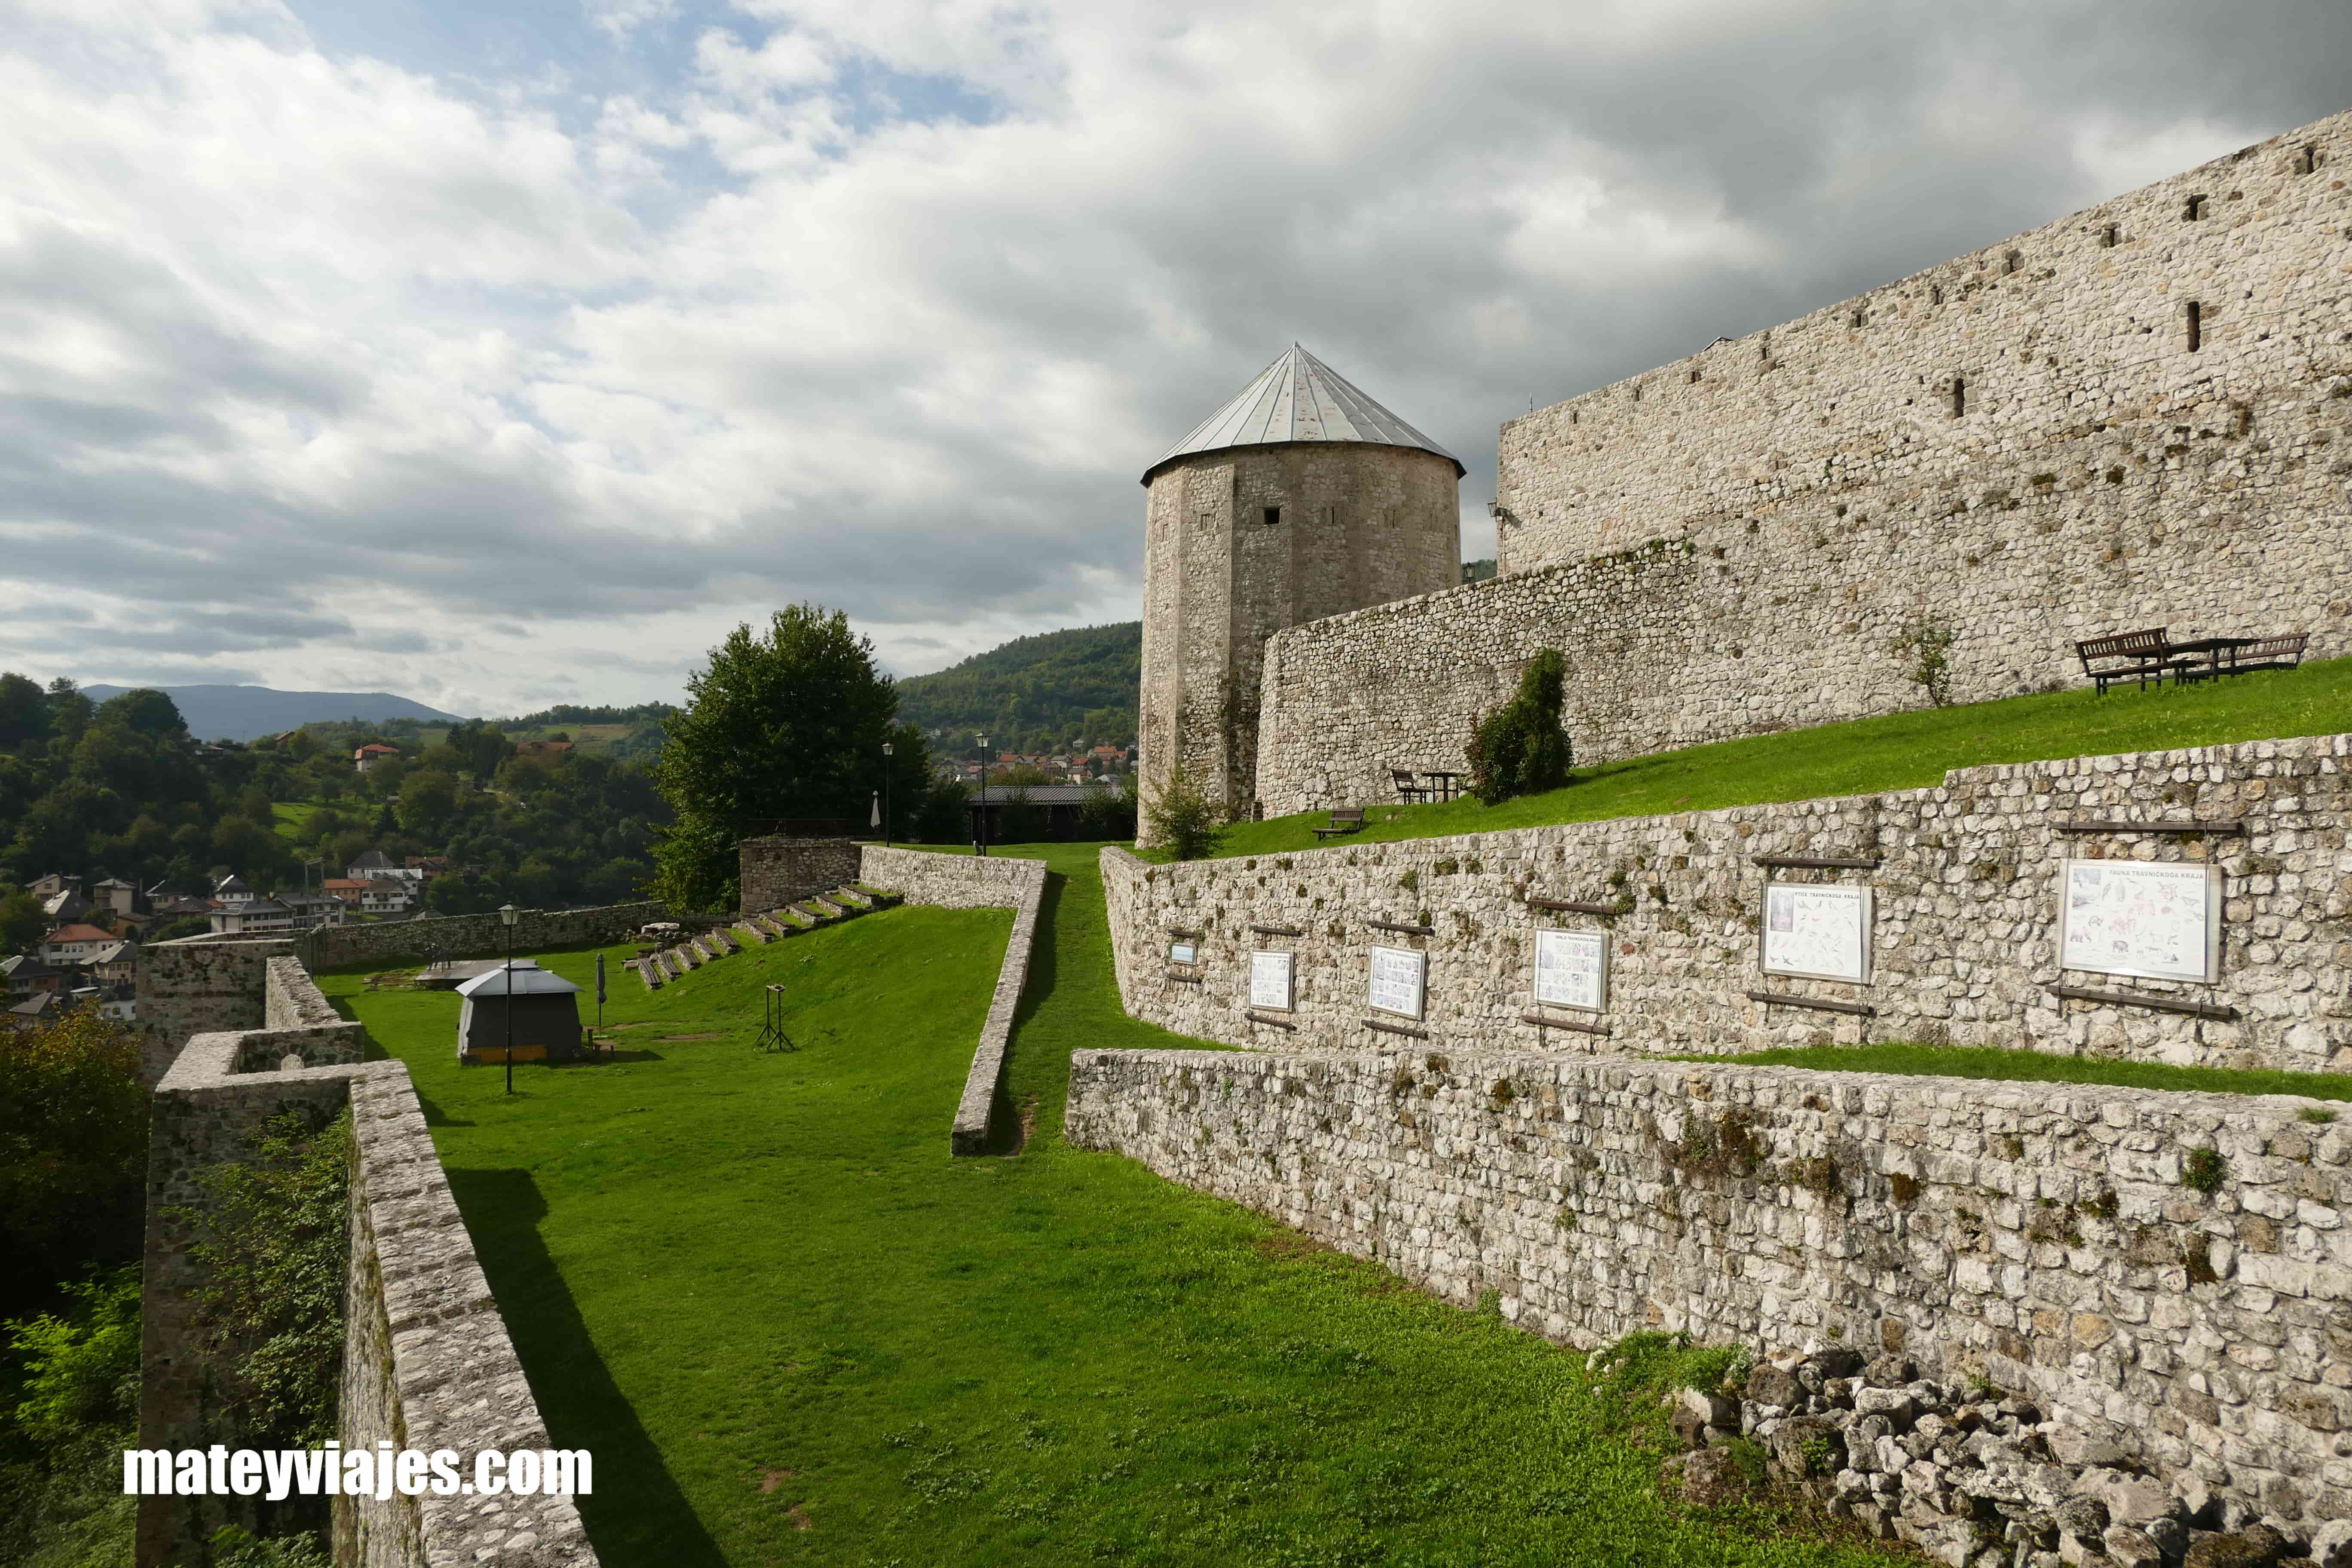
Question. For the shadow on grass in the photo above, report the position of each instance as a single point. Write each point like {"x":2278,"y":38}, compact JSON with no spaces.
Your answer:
{"x":636,"y":1515}
{"x":1005,"y":1133}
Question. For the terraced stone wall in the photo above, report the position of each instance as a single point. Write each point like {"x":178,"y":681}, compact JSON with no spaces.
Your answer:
{"x":475,"y":936}
{"x":2169,"y":1273}
{"x":2139,"y":414}
{"x":1965,"y":948}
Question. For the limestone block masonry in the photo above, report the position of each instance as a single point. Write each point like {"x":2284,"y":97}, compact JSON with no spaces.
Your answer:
{"x":2139,"y":414}
{"x":1355,"y":524}
{"x":475,"y":936}
{"x":427,"y":1364}
{"x":971,"y":882}
{"x":1964,"y":878}
{"x":2168,"y":1272}
{"x":774,"y":872}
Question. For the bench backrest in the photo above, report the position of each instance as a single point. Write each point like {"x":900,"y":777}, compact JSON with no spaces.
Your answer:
{"x":2147,"y":642}
{"x":2280,"y":646}
{"x":1347,"y":813}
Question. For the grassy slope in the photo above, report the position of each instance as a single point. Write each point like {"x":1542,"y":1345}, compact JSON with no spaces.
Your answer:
{"x":289,"y":815}
{"x":759,"y":1288}
{"x":1900,"y":751}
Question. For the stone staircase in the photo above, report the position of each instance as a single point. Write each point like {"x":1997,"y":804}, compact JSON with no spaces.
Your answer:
{"x":830,"y":907}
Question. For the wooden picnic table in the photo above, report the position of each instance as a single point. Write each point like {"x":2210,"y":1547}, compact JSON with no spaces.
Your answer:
{"x":1442,"y":785}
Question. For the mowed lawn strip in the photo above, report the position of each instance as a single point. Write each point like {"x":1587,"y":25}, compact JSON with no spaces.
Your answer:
{"x":1899,"y":751}
{"x":793,"y":1331}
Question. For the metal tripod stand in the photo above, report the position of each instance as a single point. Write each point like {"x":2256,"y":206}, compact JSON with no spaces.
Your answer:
{"x":771,"y":1024}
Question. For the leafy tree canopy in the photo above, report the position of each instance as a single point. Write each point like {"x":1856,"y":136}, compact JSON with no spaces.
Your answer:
{"x":785,"y":723}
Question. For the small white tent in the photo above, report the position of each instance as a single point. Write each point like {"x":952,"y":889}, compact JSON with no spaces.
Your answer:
{"x":546,"y":1016}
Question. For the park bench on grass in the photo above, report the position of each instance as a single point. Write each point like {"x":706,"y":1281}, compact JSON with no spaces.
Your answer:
{"x":2249,"y":654}
{"x":1344,"y":820}
{"x":2141,"y":655}
{"x":1405,"y":787}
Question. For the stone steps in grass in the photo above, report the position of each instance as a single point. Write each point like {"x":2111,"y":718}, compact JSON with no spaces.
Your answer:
{"x":748,"y":925}
{"x":723,"y":939}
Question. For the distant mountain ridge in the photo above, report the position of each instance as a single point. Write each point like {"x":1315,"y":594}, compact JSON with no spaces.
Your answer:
{"x":1034,"y":693}
{"x":250,"y":712}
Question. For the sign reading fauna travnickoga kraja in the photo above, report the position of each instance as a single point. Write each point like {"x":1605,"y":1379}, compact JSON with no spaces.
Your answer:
{"x":2153,"y":919}
{"x":1270,"y":981}
{"x":1816,"y":931}
{"x":1183,"y":952}
{"x":1572,"y":969}
{"x":1398,"y":981}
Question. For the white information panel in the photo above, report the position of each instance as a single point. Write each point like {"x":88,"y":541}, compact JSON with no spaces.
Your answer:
{"x":1398,"y":981}
{"x":2160,"y":921}
{"x":1270,"y":981}
{"x":1183,"y":952}
{"x":1817,"y":931}
{"x":1572,"y":969}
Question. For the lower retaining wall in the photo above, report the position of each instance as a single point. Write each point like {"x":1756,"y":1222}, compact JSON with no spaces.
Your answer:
{"x":1964,"y":876}
{"x":2060,"y":1239}
{"x":973,"y":882}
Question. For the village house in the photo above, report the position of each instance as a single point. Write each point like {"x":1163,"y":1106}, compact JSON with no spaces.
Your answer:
{"x":27,"y":974}
{"x":309,"y":910}
{"x":75,"y":944}
{"x":252,"y":917}
{"x":367,"y":756}
{"x":233,"y":890}
{"x":116,"y":964}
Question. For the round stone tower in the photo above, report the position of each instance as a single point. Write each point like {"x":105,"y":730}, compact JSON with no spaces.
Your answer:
{"x":1299,"y":498}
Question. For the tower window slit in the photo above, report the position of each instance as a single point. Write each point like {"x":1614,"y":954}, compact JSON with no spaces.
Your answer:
{"x":1959,"y":397}
{"x":2196,"y":326}
{"x":2107,"y":237}
{"x":1273,"y":516}
{"x":2195,"y":209}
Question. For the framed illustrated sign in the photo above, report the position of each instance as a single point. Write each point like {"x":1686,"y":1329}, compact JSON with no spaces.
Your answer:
{"x":1572,"y":969}
{"x":1816,"y":931}
{"x":1398,"y":980}
{"x":2156,"y":921}
{"x":1270,"y":981}
{"x":1183,"y":953}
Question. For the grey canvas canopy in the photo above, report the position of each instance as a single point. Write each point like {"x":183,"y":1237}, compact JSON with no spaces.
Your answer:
{"x":546,"y":1016}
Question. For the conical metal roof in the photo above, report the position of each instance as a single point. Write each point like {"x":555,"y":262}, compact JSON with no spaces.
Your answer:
{"x":1299,"y":398}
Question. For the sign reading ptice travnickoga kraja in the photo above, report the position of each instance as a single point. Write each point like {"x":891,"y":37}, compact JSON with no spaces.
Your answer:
{"x":1398,"y":981}
{"x":1572,"y":969}
{"x":2157,"y":920}
{"x":1270,"y":981}
{"x":1817,"y":931}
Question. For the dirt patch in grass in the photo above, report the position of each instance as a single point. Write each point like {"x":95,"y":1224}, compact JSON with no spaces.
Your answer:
{"x":771,"y":1480}
{"x":798,"y":1514}
{"x":675,"y":1040}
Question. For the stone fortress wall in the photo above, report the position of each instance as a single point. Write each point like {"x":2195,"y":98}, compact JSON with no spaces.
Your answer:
{"x":2139,"y":414}
{"x":774,"y":872}
{"x":2192,"y":1309}
{"x":243,"y":1035}
{"x":955,"y":882}
{"x":1358,"y":524}
{"x":1964,"y":942}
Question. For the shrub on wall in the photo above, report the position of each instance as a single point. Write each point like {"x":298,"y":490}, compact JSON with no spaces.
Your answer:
{"x":1519,"y":748}
{"x":73,"y":1151}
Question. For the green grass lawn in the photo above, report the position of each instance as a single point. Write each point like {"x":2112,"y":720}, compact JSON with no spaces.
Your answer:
{"x":793,"y":1331}
{"x":1899,"y":750}
{"x":2034,"y":1067}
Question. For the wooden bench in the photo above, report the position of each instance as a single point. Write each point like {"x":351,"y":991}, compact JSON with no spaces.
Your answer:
{"x":2282,"y":652}
{"x":1406,"y":787}
{"x":1345,"y":819}
{"x":2141,"y":655}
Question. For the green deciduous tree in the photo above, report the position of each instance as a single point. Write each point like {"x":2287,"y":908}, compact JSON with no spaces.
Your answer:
{"x":1519,"y":748}
{"x":73,"y":1150}
{"x":1182,"y":820}
{"x":786,"y":724}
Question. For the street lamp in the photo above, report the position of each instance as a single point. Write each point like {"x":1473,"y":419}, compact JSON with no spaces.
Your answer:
{"x":507,"y":914}
{"x":888,"y":751}
{"x":979,"y":812}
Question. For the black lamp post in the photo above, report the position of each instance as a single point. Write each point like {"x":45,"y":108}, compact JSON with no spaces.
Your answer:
{"x":979,"y":820}
{"x":887,"y":750}
{"x":507,"y":913}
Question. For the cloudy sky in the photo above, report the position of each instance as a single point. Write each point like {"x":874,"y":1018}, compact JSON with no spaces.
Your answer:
{"x":501,"y":353}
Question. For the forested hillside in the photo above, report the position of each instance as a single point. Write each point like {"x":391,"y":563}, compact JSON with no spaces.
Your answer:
{"x":1040,"y":693}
